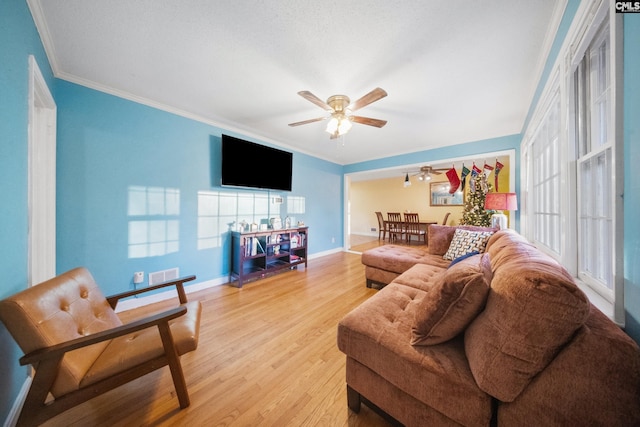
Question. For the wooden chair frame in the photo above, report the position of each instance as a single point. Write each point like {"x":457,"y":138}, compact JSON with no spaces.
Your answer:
{"x":45,"y":361}
{"x":412,"y":227}
{"x":395,"y":224}
{"x":383,"y":226}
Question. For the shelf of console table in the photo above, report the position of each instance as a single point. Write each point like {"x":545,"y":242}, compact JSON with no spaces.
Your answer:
{"x":257,"y":254}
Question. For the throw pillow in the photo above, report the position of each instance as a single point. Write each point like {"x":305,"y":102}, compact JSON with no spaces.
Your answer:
{"x":455,"y":299}
{"x":463,"y":257}
{"x":465,"y":241}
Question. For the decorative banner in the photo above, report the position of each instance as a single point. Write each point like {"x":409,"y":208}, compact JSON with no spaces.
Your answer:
{"x":454,"y":181}
{"x":498,"y":168}
{"x":463,"y":176}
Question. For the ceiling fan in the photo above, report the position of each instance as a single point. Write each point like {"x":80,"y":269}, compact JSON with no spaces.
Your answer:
{"x":340,"y":109}
{"x":425,"y":172}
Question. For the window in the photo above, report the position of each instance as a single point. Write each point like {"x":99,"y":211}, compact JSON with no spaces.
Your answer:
{"x":544,"y":159}
{"x":571,"y":158}
{"x":594,"y":156}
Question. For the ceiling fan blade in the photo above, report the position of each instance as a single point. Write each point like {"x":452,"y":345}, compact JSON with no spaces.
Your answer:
{"x":372,"y":96}
{"x":312,"y":98}
{"x":368,"y":121}
{"x":304,"y":122}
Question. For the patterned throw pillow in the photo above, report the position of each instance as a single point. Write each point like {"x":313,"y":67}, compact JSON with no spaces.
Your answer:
{"x":465,"y":241}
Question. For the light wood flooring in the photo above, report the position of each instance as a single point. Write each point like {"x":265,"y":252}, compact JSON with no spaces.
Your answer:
{"x":267,"y":356}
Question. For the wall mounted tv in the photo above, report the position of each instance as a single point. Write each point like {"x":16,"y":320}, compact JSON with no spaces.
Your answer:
{"x":250,"y":165}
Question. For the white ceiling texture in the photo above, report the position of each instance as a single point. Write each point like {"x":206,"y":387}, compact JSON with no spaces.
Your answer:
{"x":455,"y":70}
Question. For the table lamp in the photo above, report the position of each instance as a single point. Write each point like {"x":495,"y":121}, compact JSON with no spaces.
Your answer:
{"x":500,"y":202}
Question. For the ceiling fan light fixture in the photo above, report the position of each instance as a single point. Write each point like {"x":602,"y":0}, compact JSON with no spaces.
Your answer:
{"x":332,"y":126}
{"x":424,"y":176}
{"x":344,"y":126}
{"x":338,"y":125}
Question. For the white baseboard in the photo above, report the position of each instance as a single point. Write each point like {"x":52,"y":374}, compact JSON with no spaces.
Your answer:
{"x":132,"y":303}
{"x":12,"y":418}
{"x":325,"y":253}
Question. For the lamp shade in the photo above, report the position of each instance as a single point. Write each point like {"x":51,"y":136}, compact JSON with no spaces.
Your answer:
{"x":501,"y":202}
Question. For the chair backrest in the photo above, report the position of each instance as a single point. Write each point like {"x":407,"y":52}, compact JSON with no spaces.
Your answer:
{"x":380,"y":220}
{"x":61,"y":309}
{"x":411,"y":217}
{"x":394,"y":216}
{"x":412,"y":223}
{"x":446,"y":217}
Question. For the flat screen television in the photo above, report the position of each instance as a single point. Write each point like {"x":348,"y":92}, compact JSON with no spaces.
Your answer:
{"x":250,"y":165}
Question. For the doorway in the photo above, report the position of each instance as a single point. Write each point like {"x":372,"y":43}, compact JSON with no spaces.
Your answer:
{"x":41,"y":154}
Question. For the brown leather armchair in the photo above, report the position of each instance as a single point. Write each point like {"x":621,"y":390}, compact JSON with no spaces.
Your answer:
{"x":79,"y":348}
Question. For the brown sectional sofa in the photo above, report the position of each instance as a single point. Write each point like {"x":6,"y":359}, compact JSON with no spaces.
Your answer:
{"x":510,"y":340}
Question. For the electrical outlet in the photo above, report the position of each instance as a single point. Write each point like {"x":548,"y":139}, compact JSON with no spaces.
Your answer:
{"x":373,"y":229}
{"x":138,"y":277}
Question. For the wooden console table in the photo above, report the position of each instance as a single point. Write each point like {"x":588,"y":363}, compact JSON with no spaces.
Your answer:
{"x":257,"y":254}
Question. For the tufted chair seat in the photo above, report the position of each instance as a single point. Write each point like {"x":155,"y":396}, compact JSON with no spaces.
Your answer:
{"x":79,"y":347}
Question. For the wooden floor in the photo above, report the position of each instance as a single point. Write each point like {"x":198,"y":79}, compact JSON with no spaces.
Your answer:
{"x":267,"y":357}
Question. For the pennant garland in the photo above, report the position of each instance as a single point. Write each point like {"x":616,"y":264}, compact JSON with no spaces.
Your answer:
{"x":498,"y":168}
{"x":463,"y":176}
{"x":454,"y":181}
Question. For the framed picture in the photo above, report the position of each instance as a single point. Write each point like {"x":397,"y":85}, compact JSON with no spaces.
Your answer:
{"x":440,"y":195}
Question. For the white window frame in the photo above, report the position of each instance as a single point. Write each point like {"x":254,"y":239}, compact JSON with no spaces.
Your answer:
{"x":589,"y":19}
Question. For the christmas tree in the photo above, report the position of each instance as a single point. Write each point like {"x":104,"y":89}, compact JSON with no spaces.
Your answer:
{"x":474,"y":212}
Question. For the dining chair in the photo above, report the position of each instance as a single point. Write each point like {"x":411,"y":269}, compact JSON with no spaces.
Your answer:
{"x":412,"y":227}
{"x":383,"y":227}
{"x":395,"y":224}
{"x":446,"y":217}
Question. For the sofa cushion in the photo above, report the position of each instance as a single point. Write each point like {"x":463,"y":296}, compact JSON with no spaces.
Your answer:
{"x":440,"y":236}
{"x":399,"y":259}
{"x":593,"y":381}
{"x":533,"y":308}
{"x":455,"y":299}
{"x":466,"y":241}
{"x":420,"y":276}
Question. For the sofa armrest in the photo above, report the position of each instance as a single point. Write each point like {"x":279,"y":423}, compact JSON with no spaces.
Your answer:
{"x":57,"y":351}
{"x":178,"y":283}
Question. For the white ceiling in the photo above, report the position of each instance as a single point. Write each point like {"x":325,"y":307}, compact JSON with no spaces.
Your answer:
{"x":455,"y":70}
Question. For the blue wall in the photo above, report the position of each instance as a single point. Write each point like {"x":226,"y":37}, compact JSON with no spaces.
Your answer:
{"x":18,"y":40}
{"x":631,"y":177}
{"x":108,"y":145}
